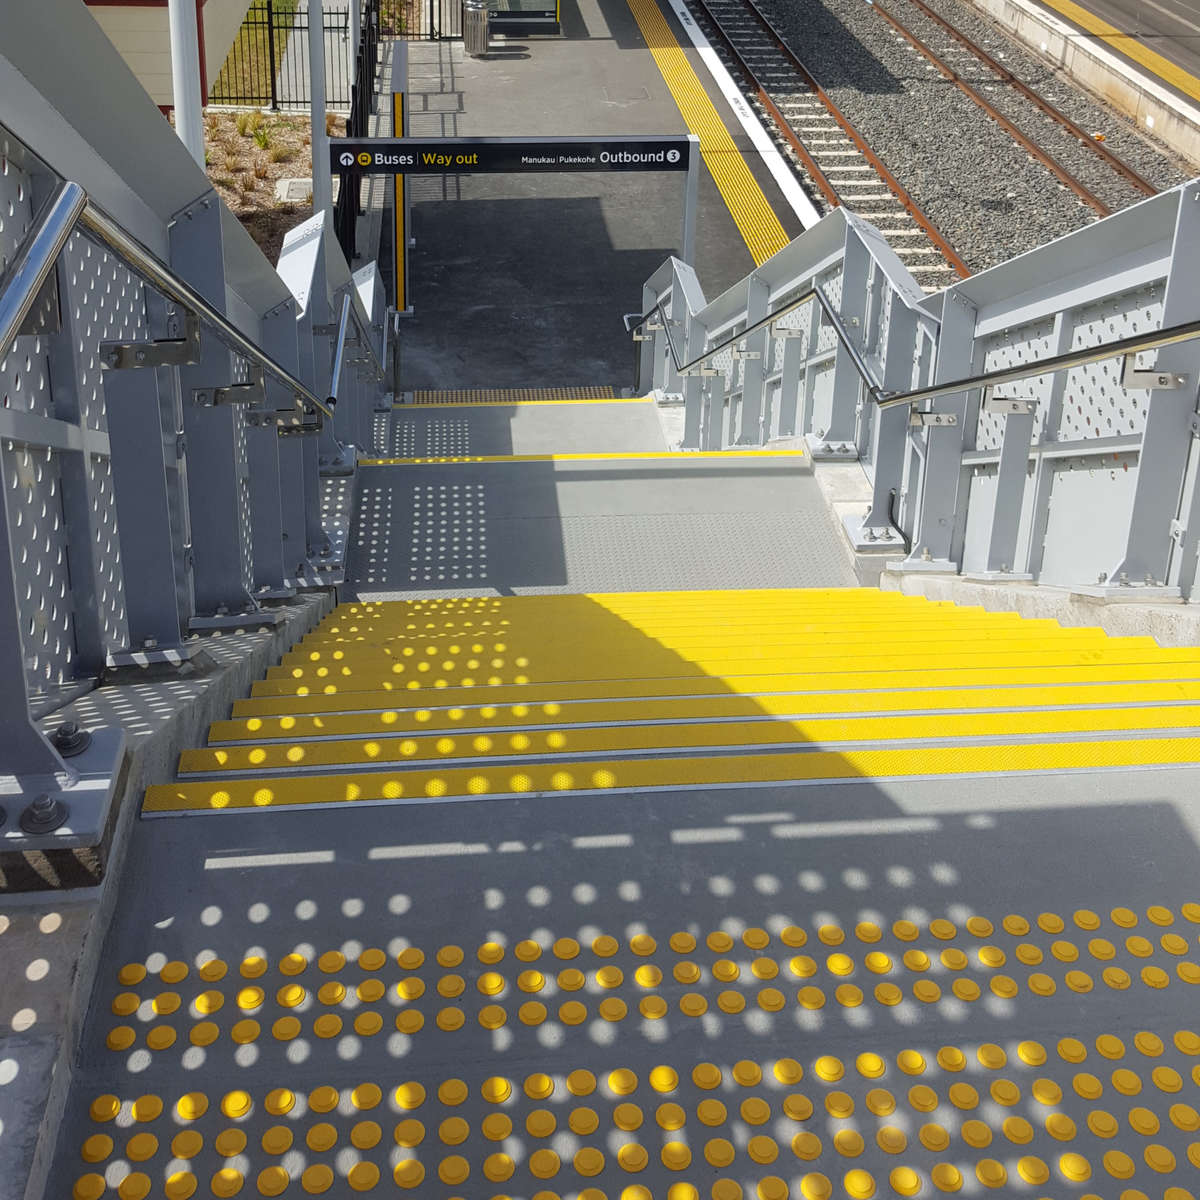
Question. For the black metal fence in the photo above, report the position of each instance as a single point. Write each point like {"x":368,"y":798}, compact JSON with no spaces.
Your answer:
{"x":267,"y":65}
{"x":422,"y":20}
{"x":362,"y":95}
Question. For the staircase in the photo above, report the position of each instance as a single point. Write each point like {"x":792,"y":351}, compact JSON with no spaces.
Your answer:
{"x":494,"y":697}
{"x":499,"y":885}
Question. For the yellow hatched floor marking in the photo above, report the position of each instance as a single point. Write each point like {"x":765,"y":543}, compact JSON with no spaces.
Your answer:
{"x":615,"y":739}
{"x":578,"y":646}
{"x":1128,"y":45}
{"x":600,"y":662}
{"x":551,"y":713}
{"x":412,"y":692}
{"x":479,"y":782}
{"x":753,"y":215}
{"x":664,"y":455}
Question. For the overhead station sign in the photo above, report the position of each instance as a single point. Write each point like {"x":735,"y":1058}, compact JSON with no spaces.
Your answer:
{"x":464,"y":156}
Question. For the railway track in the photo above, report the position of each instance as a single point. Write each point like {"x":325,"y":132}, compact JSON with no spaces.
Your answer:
{"x":837,"y":157}
{"x":821,"y":140}
{"x":1076,"y":158}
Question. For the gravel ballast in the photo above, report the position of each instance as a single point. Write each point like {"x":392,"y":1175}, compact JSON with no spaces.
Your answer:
{"x":990,"y":198}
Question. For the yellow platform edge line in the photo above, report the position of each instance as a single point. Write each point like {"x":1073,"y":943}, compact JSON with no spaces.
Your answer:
{"x":1127,"y":45}
{"x":752,"y":213}
{"x":732,"y":770}
{"x":522,"y":458}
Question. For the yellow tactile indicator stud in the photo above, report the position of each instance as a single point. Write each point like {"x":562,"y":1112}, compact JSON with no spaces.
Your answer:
{"x":719,"y":942}
{"x":788,"y":1071}
{"x":125,"y":1003}
{"x":681,"y":942}
{"x":879,"y":1100}
{"x":490,"y":953}
{"x":815,"y":1186}
{"x":96,"y":1148}
{"x":321,"y":1137}
{"x":147,"y":1108}
{"x":891,"y":1140}
{"x":120,"y":1037}
{"x":141,"y":1147}
{"x":229,"y":1143}
{"x":253,"y":967}
{"x":277,"y":1140}
{"x":293,"y":964}
{"x":583,"y":1121}
{"x":174,"y":972}
{"x":581,"y":1082}
{"x":628,"y":1117}
{"x":331,"y":992}
{"x":671,"y":1116}
{"x":566,"y":948}
{"x":676,"y":1156}
{"x":605,"y":946}
{"x":664,"y":1079}
{"x":453,"y":1131}
{"x":589,"y":1161}
{"x":226,"y":1182}
{"x":490,"y":983}
{"x":372,"y":959}
{"x":839,"y":1104}
{"x":544,"y":1164}
{"x":410,"y":959}
{"x":718,"y":1152}
{"x":408,"y":1174}
{"x":135,"y":1186}
{"x":449,"y":956}
{"x":453,"y":1169}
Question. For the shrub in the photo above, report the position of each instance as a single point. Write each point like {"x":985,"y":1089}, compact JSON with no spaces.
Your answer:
{"x":262,"y":138}
{"x":280,"y":154}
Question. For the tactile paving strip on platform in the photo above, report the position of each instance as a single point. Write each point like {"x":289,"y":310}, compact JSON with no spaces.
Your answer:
{"x":515,"y":396}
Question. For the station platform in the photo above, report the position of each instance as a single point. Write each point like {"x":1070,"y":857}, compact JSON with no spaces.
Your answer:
{"x":522,"y":281}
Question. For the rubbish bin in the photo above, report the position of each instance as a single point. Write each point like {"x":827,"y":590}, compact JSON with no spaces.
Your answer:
{"x":475,"y":28}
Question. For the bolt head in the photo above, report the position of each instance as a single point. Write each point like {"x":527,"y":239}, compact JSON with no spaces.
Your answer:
{"x":44,"y":815}
{"x":69,"y":739}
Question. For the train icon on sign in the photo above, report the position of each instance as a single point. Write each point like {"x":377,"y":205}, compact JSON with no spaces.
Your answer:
{"x":346,"y":159}
{"x":672,"y":156}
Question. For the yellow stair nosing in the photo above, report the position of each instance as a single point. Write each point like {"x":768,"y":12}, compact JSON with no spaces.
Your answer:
{"x":415,"y":750}
{"x":748,"y":683}
{"x":714,"y":708}
{"x":692,"y":630}
{"x":637,"y":642}
{"x":672,"y":773}
{"x":566,"y":667}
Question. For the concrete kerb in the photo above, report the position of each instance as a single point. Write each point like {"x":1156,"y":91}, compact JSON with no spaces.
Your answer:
{"x":1157,"y":111}
{"x":161,"y":717}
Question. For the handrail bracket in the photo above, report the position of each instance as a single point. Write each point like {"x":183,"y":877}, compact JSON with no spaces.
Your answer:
{"x":161,"y":352}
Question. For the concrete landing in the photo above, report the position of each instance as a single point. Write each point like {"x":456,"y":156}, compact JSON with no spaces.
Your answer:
{"x":523,"y":280}
{"x":534,"y":428}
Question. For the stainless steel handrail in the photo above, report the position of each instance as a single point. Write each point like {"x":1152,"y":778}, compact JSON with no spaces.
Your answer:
{"x":70,"y":209}
{"x":142,"y":262}
{"x":339,"y":353}
{"x":1134,"y":344}
{"x":814,"y":293}
{"x":35,"y":258}
{"x":364,"y":335}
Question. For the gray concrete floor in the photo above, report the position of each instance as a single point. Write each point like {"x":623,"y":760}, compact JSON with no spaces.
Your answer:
{"x":678,"y":521}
